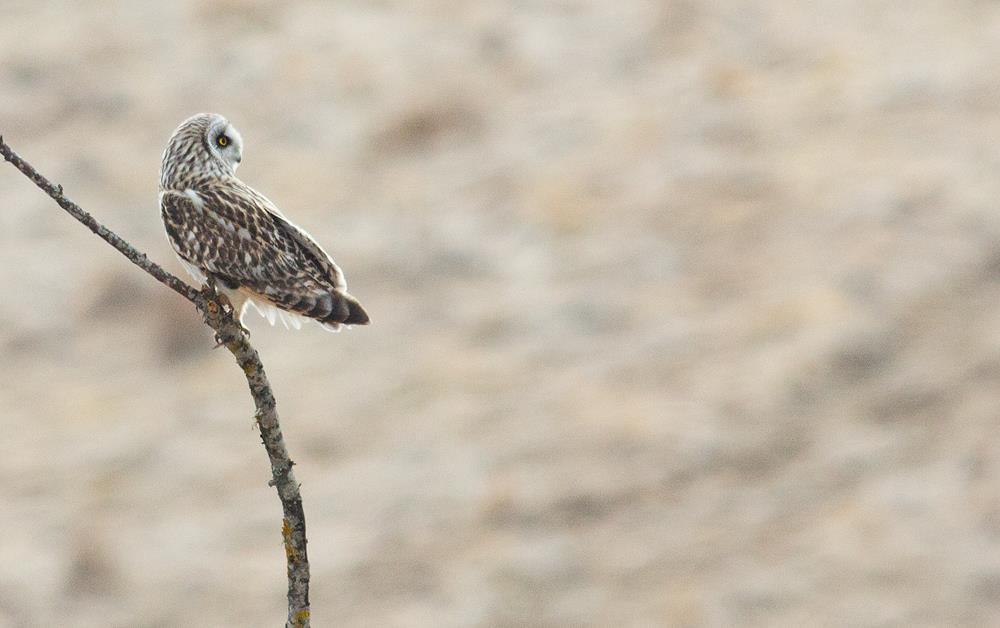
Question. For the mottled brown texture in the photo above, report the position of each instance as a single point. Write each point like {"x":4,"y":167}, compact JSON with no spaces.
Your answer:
{"x":277,"y":265}
{"x":218,"y":315}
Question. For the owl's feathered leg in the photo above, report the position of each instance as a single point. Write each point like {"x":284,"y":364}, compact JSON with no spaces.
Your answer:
{"x":229,"y":299}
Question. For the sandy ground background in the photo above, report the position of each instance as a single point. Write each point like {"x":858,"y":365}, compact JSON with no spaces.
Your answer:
{"x":685,"y":314}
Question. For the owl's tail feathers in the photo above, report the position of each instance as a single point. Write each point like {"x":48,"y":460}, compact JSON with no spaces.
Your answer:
{"x":333,"y":309}
{"x":346,"y":311}
{"x":356,"y":315}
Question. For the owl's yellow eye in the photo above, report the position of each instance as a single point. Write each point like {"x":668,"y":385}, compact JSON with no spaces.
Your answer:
{"x":223,"y":141}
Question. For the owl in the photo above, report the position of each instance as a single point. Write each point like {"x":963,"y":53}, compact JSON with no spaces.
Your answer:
{"x":224,"y":230}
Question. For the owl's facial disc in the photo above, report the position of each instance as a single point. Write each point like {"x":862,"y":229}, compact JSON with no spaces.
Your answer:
{"x":225,"y":141}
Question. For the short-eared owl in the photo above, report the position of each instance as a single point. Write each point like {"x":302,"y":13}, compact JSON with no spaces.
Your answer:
{"x":223,"y":229}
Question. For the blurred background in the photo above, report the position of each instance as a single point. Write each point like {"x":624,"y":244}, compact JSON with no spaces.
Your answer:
{"x":685,"y":314}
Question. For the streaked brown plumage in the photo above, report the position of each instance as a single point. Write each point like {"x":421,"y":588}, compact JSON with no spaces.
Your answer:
{"x":223,"y":229}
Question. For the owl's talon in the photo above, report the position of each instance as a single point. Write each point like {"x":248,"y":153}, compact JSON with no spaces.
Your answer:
{"x":209,"y":289}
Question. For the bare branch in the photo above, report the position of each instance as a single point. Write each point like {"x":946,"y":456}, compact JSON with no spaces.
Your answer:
{"x":126,"y":249}
{"x":218,"y":315}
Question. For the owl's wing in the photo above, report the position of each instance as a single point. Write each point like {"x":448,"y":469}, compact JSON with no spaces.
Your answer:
{"x":230,"y":236}
{"x":309,"y":246}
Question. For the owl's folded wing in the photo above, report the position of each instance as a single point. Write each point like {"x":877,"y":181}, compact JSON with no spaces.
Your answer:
{"x":229,"y":237}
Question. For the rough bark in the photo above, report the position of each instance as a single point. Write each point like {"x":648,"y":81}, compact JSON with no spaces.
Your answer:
{"x":217,"y":313}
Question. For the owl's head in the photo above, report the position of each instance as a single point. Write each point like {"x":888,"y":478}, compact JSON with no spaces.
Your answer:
{"x":204,"y":144}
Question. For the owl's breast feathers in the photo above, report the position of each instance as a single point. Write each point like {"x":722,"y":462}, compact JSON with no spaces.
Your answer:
{"x":232,"y":233}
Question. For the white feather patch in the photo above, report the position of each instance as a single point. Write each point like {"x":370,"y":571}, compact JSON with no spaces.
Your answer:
{"x":193,"y":270}
{"x":253,"y":302}
{"x":195,"y":199}
{"x":272,"y":313}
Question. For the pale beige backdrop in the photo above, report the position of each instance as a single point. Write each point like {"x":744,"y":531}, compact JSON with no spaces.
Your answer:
{"x":685,"y":314}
